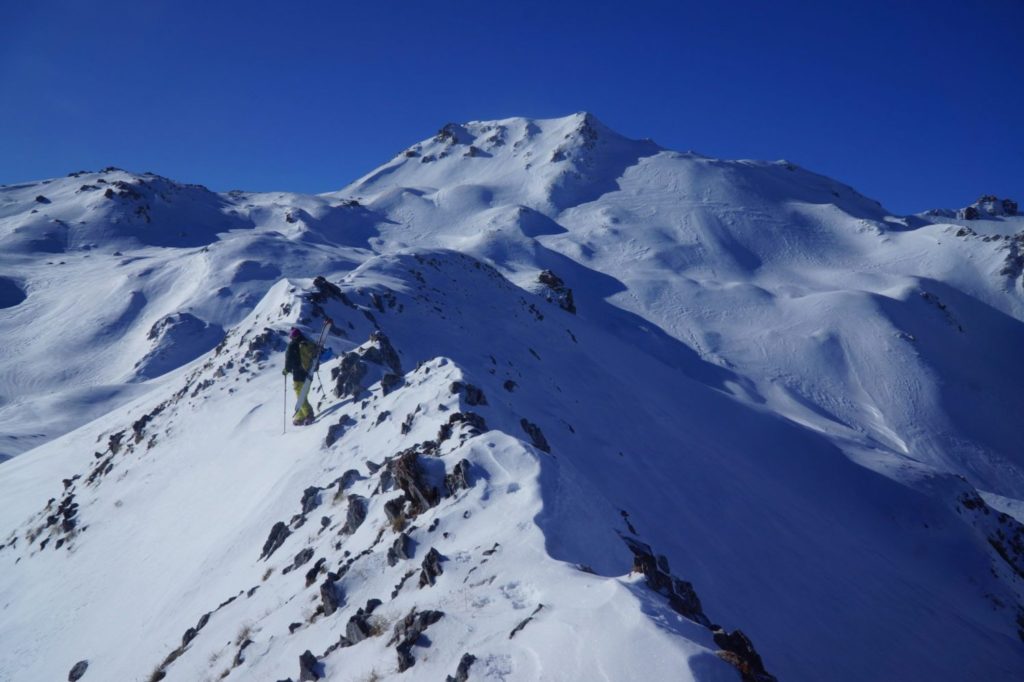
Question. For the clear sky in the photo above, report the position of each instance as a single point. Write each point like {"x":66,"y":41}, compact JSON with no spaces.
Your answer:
{"x":917,"y":103}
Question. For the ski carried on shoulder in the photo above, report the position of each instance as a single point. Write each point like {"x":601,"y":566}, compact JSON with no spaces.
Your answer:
{"x":313,"y":367}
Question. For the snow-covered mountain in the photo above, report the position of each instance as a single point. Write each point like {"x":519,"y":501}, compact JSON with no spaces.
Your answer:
{"x":599,"y":410}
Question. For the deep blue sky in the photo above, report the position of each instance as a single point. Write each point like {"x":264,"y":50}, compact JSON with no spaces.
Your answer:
{"x":915,"y":103}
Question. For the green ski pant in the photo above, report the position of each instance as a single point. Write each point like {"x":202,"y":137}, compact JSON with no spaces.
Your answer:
{"x":306,"y":410}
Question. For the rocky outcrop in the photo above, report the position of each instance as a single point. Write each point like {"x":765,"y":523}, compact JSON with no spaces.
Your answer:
{"x":407,"y":632}
{"x":278,"y":534}
{"x":330,"y":595}
{"x":736,"y":646}
{"x":681,"y":595}
{"x":309,"y":667}
{"x":535,"y":434}
{"x":359,"y":627}
{"x":431,"y":568}
{"x":737,"y":650}
{"x":458,"y":478}
{"x":351,"y":376}
{"x":1003,"y":532}
{"x":462,"y":672}
{"x":471,"y":425}
{"x":988,"y":206}
{"x":336,"y":431}
{"x":356,"y":514}
{"x":406,"y":473}
{"x":473,"y":395}
{"x":400,"y":549}
{"x":556,"y":292}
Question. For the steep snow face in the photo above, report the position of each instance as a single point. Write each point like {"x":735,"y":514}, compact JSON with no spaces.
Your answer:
{"x":564,"y":355}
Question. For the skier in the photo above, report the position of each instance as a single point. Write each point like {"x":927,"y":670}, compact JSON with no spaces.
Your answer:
{"x":297,"y":360}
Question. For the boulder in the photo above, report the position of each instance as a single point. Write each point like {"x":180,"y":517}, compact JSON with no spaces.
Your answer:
{"x":407,"y":631}
{"x":356,"y":514}
{"x":462,"y":672}
{"x":77,"y":671}
{"x":309,"y":667}
{"x":400,"y":549}
{"x":458,"y":479}
{"x":277,"y":536}
{"x":330,"y":595}
{"x":535,"y":434}
{"x":431,"y":568}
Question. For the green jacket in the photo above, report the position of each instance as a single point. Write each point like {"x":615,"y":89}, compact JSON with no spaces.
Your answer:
{"x":299,"y":358}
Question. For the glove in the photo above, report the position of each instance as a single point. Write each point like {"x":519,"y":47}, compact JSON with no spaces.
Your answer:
{"x":326,"y":355}
{"x":284,"y":372}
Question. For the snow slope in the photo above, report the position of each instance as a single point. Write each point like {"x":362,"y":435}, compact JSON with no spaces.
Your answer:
{"x":765,"y":405}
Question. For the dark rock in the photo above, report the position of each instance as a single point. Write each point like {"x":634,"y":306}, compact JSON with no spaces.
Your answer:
{"x":302,"y":557}
{"x":310,"y":499}
{"x":431,"y":568}
{"x":309,"y":667}
{"x":473,"y":425}
{"x":556,"y":291}
{"x":685,"y":602}
{"x":399,"y":550}
{"x":292,"y":627}
{"x":278,"y":534}
{"x":330,"y":596}
{"x":458,"y":479}
{"x":348,"y":375}
{"x":407,"y":632}
{"x":189,"y":635}
{"x":535,"y":434}
{"x":510,"y":385}
{"x":394,"y":510}
{"x":743,"y":655}
{"x":336,"y":431}
{"x":326,"y":290}
{"x":311,"y":574}
{"x":462,"y":672}
{"x":114,"y":442}
{"x":681,"y":595}
{"x":407,"y":475}
{"x":42,"y":200}
{"x":383,"y":353}
{"x":523,"y":623}
{"x":356,"y":514}
{"x":470,"y":393}
{"x":389,"y":382}
{"x":77,"y":671}
{"x":359,"y":627}
{"x":239,"y":657}
{"x":351,"y":476}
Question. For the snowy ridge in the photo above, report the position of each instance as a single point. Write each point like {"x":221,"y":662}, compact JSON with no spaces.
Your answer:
{"x":597,"y":405}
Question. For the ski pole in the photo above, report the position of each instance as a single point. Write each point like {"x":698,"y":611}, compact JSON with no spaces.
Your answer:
{"x":284,"y":415}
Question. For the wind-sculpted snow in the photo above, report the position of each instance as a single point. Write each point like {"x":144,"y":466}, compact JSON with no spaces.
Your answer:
{"x":597,"y":410}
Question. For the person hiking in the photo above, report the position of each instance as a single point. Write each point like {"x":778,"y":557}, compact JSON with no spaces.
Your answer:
{"x":297,"y":361}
